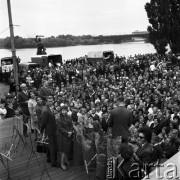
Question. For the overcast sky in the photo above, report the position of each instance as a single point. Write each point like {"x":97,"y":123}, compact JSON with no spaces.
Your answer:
{"x":76,"y":17}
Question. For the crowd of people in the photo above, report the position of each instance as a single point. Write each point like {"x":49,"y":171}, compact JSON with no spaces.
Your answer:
{"x":78,"y":95}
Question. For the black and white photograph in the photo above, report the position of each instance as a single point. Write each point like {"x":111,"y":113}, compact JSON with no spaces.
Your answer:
{"x":89,"y":89}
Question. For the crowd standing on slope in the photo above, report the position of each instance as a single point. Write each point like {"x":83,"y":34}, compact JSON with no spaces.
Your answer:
{"x":83,"y":95}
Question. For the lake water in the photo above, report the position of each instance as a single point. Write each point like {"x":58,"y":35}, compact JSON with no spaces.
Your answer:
{"x":124,"y":49}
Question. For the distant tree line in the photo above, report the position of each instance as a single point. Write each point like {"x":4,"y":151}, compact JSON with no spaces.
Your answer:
{"x":68,"y":40}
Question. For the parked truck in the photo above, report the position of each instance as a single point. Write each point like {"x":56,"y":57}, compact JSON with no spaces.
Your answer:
{"x":6,"y":66}
{"x":100,"y":56}
{"x":46,"y":60}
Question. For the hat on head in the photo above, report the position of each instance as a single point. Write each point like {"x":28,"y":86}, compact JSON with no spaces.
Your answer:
{"x":23,"y":85}
{"x":64,"y":107}
{"x":61,"y":93}
{"x":175,"y":131}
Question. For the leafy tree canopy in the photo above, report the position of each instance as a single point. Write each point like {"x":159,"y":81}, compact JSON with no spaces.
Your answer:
{"x":164,"y":17}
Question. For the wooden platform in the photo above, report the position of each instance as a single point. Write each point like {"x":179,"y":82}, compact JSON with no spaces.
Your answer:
{"x":18,"y":167}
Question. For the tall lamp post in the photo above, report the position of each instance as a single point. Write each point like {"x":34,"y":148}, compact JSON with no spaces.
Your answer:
{"x":15,"y":64}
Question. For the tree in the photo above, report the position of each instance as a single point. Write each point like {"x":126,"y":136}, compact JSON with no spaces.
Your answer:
{"x":164,"y":17}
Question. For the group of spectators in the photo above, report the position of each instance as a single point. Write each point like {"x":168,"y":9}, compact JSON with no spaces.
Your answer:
{"x":88,"y":92}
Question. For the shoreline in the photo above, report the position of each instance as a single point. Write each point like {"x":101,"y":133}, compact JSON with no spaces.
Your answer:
{"x":124,"y":42}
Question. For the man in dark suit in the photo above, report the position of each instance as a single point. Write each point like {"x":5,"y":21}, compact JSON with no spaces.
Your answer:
{"x":104,"y":121}
{"x":144,"y":154}
{"x":9,"y":105}
{"x":48,"y":124}
{"x":23,"y":98}
{"x":74,"y":116}
{"x":120,"y":120}
{"x":44,"y":92}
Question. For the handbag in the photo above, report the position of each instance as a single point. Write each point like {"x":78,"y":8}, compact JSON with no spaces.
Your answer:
{"x":41,"y":148}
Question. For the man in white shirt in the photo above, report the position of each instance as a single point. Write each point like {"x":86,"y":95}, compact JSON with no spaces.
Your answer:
{"x":152,"y":66}
{"x":98,"y":112}
{"x":150,"y":120}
